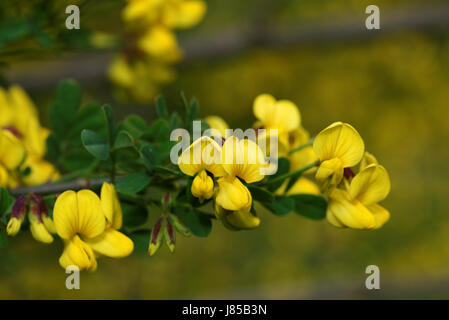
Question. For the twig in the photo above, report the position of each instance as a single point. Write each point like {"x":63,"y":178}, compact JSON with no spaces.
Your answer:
{"x":59,"y":187}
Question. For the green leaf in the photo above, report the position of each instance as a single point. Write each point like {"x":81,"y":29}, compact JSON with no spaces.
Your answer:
{"x":199,"y":224}
{"x":175,"y":121}
{"x":109,"y":119}
{"x":159,"y":131}
{"x":310,"y":206}
{"x":95,"y":144}
{"x":123,"y":140}
{"x":161,"y":108}
{"x":65,"y":106}
{"x":261,"y":194}
{"x":283,"y":167}
{"x":281,"y":205}
{"x":136,"y":126}
{"x":6,"y":202}
{"x":133,"y":183}
{"x":149,"y":156}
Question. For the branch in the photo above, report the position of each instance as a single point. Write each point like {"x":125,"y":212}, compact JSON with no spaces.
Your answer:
{"x":50,"y":188}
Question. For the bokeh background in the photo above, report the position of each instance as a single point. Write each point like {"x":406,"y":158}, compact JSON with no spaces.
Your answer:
{"x":391,"y":84}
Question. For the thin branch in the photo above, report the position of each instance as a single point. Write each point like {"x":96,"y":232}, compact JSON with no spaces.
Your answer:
{"x":51,"y":188}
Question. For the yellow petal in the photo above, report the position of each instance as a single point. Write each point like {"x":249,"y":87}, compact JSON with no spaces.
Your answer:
{"x":24,"y":108}
{"x":11,"y":150}
{"x":40,"y":233}
{"x":13,"y":226}
{"x":331,"y":170}
{"x":302,"y":186}
{"x":139,"y":10}
{"x":65,"y":215}
{"x":282,"y":115}
{"x":203,"y":186}
{"x":339,"y":140}
{"x":161,"y":43}
{"x":232,"y":194}
{"x":111,"y":243}
{"x":371,"y":185}
{"x":78,"y":253}
{"x":367,"y":159}
{"x":381,"y":215}
{"x":5,"y":110}
{"x":111,"y":206}
{"x":203,"y":154}
{"x":217,"y":123}
{"x":41,"y":171}
{"x":242,"y":219}
{"x":91,"y":219}
{"x":184,"y":14}
{"x":342,"y":210}
{"x":4,"y":176}
{"x":244,"y":159}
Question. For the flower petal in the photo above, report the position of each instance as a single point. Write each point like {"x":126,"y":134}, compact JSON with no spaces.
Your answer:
{"x":371,"y":185}
{"x":203,"y":154}
{"x":349,"y":213}
{"x":91,"y":219}
{"x":381,"y":215}
{"x":11,"y":150}
{"x":232,"y":194}
{"x":111,"y":205}
{"x":184,"y":14}
{"x":78,"y":253}
{"x":342,"y":141}
{"x":65,"y":214}
{"x":111,"y":243}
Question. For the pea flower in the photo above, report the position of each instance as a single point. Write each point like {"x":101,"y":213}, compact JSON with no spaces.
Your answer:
{"x":87,"y":230}
{"x":338,"y":146}
{"x":282,"y":115}
{"x":357,"y":207}
{"x":204,"y":155}
{"x":242,"y":159}
{"x":170,"y":13}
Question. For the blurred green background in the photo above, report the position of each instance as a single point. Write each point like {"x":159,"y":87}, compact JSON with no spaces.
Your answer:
{"x":393,"y":87}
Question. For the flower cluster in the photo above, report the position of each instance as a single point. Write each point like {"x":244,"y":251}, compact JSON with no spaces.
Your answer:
{"x":152,"y":46}
{"x":352,"y":198}
{"x":22,"y":142}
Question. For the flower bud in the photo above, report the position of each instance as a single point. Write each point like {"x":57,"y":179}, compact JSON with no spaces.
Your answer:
{"x":37,"y":227}
{"x":179,"y":225}
{"x":169,"y":235}
{"x":203,"y":186}
{"x":156,"y":236}
{"x":232,"y":194}
{"x":17,"y":216}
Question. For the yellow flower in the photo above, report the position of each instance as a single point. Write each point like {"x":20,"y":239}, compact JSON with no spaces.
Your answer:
{"x":203,"y":154}
{"x":81,"y":222}
{"x":41,"y":226}
{"x":217,"y":123}
{"x":170,"y":13}
{"x":161,"y":43}
{"x":17,"y":216}
{"x":12,"y":152}
{"x":282,"y":115}
{"x":183,"y":13}
{"x":243,"y":159}
{"x":41,"y":171}
{"x":203,"y":186}
{"x":338,"y":146}
{"x":232,"y":194}
{"x":357,"y":207}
